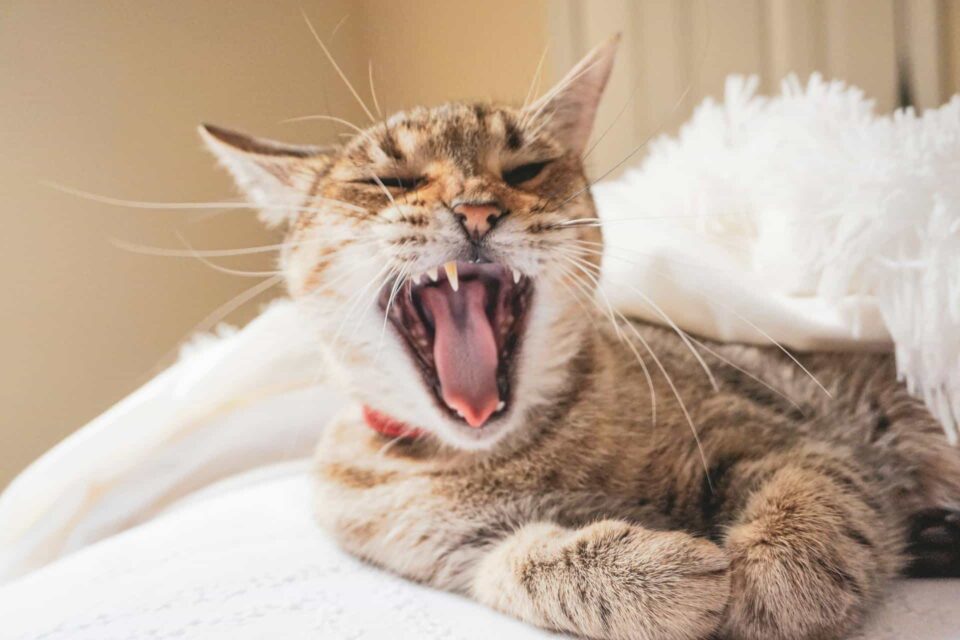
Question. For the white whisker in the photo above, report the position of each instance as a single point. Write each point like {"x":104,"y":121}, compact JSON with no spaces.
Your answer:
{"x":676,"y":394}
{"x":739,"y":316}
{"x":673,"y":325}
{"x":148,"y":250}
{"x":373,"y":92}
{"x":339,"y":71}
{"x":186,"y":206}
{"x":588,"y":294}
{"x":535,"y":81}
{"x":397,"y":285}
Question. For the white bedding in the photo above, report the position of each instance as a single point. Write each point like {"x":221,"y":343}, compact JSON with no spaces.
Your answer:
{"x":243,"y":560}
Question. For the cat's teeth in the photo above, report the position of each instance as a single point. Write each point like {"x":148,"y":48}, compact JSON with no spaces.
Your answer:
{"x":434,"y":275}
{"x":416,"y":278}
{"x":501,"y":405}
{"x":451,"y":269}
{"x":516,"y":276}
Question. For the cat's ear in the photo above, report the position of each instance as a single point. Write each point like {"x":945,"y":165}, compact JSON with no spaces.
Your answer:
{"x":273,"y":175}
{"x":571,"y":105}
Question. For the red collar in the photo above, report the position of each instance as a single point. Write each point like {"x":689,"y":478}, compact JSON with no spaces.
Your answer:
{"x":387,"y":426}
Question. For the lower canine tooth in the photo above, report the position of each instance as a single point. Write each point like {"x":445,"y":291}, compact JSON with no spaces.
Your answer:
{"x":451,"y":269}
{"x":501,"y":405}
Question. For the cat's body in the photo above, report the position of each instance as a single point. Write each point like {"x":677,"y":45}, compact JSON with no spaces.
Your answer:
{"x":575,"y":526}
{"x":528,"y":446}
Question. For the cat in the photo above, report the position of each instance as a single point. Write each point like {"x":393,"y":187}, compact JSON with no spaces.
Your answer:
{"x":516,"y":441}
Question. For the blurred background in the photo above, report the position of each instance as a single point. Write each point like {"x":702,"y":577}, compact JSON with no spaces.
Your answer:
{"x":104,"y":96}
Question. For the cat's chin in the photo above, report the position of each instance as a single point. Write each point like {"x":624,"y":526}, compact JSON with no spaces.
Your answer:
{"x":463,"y":328}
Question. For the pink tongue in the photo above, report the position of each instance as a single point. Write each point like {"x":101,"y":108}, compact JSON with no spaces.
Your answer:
{"x":464,"y":349}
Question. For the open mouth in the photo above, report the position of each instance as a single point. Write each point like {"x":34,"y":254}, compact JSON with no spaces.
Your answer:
{"x":463,"y":325}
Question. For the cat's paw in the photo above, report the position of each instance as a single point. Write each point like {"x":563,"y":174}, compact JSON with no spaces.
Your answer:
{"x":610,"y":579}
{"x":676,"y":585}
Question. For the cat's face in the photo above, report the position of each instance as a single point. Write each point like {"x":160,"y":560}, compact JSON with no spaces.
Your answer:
{"x":435,"y":255}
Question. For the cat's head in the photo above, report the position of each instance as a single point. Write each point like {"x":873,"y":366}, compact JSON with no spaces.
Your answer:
{"x":436,"y":252}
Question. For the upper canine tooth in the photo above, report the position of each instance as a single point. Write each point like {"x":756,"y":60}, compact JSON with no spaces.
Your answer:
{"x":451,"y":269}
{"x":516,"y":276}
{"x":416,"y":278}
{"x":432,"y":272}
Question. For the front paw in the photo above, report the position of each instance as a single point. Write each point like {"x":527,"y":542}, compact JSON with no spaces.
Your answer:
{"x":609,"y":580}
{"x":674,"y":585}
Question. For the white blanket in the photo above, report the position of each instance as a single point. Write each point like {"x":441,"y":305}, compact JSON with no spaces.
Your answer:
{"x":244,"y":561}
{"x":803,"y":218}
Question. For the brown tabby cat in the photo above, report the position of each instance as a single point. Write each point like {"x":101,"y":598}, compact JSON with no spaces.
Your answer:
{"x":504,"y":443}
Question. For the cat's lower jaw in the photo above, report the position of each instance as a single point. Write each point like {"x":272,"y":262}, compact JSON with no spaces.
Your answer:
{"x":610,"y":579}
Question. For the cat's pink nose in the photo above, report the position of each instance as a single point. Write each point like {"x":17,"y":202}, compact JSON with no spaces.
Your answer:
{"x":477,"y":218}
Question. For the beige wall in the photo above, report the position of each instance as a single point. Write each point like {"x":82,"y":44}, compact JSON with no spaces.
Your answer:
{"x":105,"y":96}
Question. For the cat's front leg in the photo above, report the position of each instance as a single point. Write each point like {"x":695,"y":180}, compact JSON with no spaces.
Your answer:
{"x":610,"y":579}
{"x":813,"y":548}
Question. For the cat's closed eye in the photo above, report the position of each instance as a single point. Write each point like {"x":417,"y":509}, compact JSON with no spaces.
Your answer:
{"x":524,"y":173}
{"x":394,"y":182}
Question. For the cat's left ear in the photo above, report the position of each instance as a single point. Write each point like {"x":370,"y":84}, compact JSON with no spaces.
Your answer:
{"x":571,"y":105}
{"x":272,"y":175}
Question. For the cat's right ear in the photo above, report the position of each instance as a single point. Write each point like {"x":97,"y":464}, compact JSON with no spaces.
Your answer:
{"x":272,"y":175}
{"x":571,"y":106}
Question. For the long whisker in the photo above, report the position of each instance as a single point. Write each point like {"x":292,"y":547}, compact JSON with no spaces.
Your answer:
{"x":235,"y":303}
{"x":356,"y":298}
{"x":166,"y":252}
{"x":536,"y":77}
{"x":215,"y":316}
{"x":185,"y":253}
{"x":730,"y":363}
{"x":743,"y":319}
{"x":228,"y":270}
{"x":373,"y":92}
{"x":397,"y":285}
{"x":673,"y":325}
{"x":589,"y":295}
{"x":185,"y":206}
{"x":676,"y":394}
{"x":321,"y":116}
{"x":574,"y":294}
{"x":739,"y":316}
{"x":339,"y":71}
{"x":753,"y":377}
{"x":602,"y":222}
